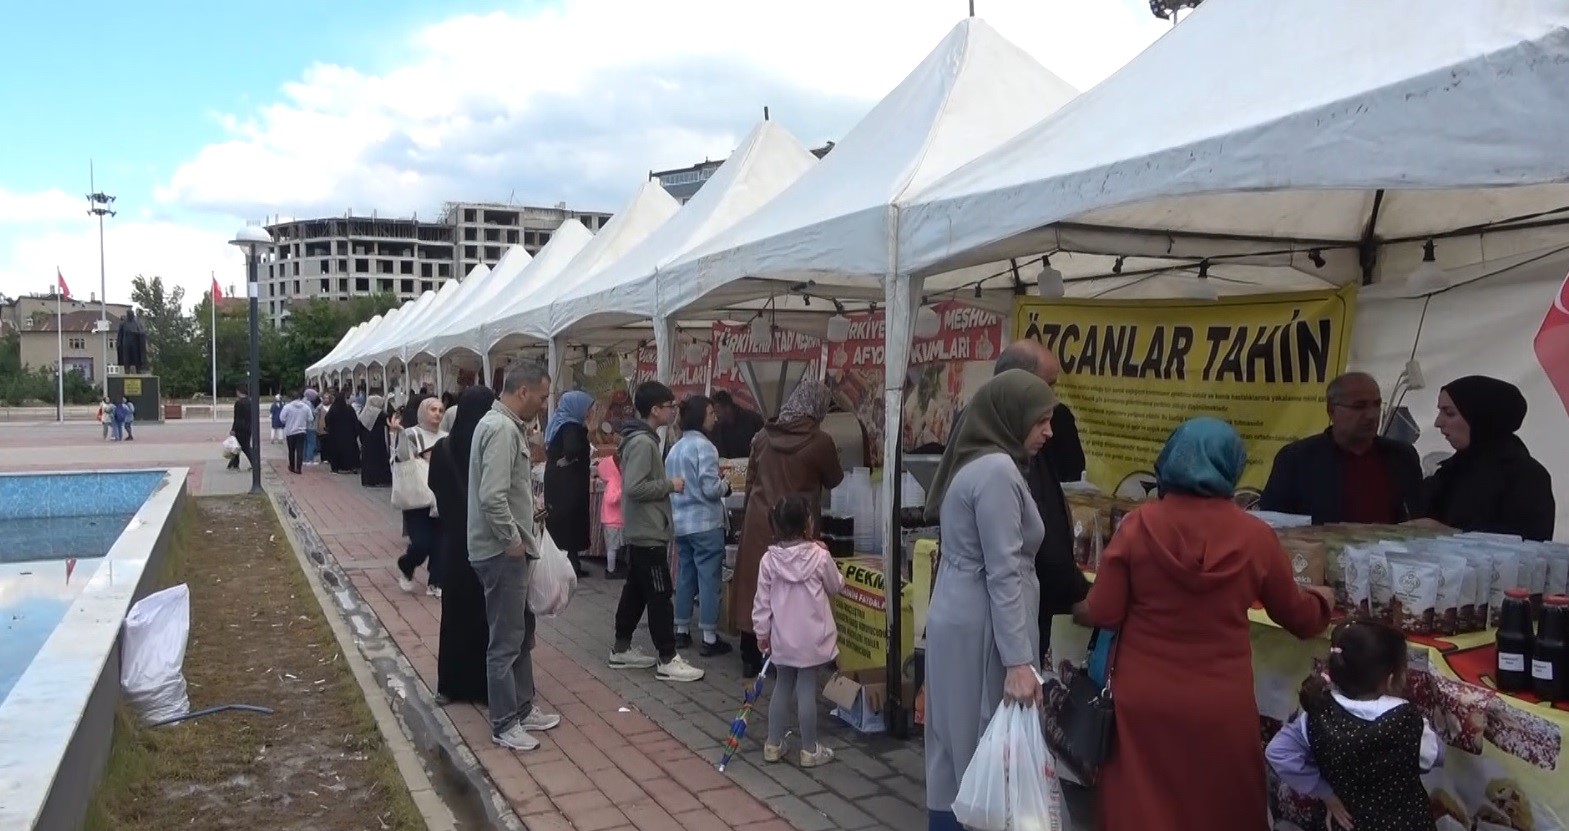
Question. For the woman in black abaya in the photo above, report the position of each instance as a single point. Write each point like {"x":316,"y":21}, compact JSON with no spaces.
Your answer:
{"x":375,"y":459}
{"x":342,"y":444}
{"x":465,"y":635}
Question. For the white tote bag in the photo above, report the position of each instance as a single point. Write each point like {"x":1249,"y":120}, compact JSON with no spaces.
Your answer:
{"x":152,"y":655}
{"x":552,"y":580}
{"x":410,"y":488}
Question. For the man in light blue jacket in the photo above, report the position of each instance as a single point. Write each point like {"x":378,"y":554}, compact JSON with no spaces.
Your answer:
{"x":698,"y":513}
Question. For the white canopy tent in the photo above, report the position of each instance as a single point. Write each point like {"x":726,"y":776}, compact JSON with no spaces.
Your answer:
{"x":328,"y":361}
{"x":535,"y":281}
{"x":451,"y":310}
{"x":1344,"y":130}
{"x":835,"y":226}
{"x":387,"y":346}
{"x":474,"y":306}
{"x":765,"y":163}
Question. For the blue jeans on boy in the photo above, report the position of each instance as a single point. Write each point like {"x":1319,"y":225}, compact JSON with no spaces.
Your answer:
{"x":310,"y":446}
{"x":702,"y":559}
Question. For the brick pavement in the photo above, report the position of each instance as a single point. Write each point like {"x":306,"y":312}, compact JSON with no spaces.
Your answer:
{"x":632,"y":751}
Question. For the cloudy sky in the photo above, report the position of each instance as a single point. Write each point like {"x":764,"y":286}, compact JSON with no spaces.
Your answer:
{"x":200,"y":117}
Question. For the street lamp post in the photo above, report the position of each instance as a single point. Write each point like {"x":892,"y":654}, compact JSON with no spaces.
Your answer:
{"x":251,"y":238}
{"x":98,"y":205}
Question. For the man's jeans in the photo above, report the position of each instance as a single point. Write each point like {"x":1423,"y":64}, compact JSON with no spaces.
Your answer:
{"x":702,"y":561}
{"x":509,"y":666}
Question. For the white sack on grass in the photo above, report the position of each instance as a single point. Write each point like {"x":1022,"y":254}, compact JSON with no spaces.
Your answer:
{"x":152,"y":655}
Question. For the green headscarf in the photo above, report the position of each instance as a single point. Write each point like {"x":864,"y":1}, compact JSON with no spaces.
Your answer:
{"x":997,"y":420}
{"x":1203,"y":457}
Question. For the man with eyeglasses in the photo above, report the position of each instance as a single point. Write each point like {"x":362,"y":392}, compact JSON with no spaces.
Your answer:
{"x":1348,"y":473}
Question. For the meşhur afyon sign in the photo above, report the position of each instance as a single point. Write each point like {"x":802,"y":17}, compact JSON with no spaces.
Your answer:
{"x":1133,"y":370}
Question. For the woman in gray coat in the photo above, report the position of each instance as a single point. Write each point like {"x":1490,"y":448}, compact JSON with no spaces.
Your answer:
{"x":986,"y":593}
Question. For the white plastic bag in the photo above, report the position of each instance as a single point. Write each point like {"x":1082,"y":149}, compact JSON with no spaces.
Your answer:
{"x":152,"y":655}
{"x":551,"y":580}
{"x":1011,"y":782}
{"x":231,"y":447}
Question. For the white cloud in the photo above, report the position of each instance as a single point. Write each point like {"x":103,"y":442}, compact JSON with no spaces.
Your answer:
{"x":43,"y":207}
{"x":575,"y":103}
{"x":578,"y":103}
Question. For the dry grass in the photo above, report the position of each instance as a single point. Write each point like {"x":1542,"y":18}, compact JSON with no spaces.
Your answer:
{"x":257,"y":637}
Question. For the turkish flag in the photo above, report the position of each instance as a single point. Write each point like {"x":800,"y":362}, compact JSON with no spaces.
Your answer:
{"x":1552,"y":343}
{"x":217,"y":293}
{"x":65,"y":291}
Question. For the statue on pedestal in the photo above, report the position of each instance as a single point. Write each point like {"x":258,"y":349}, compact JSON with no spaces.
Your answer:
{"x":131,"y":344}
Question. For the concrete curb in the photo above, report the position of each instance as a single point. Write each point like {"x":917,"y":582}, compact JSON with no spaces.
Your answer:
{"x":413,"y":725}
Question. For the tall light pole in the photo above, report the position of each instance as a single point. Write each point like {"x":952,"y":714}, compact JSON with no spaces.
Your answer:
{"x":98,"y":205}
{"x":251,"y":238}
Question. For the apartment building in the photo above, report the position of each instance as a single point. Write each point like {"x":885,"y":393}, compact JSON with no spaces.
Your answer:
{"x":684,"y":182}
{"x":350,"y":256}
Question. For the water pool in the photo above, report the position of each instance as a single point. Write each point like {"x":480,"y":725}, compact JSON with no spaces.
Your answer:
{"x":76,"y":550}
{"x":44,"y":562}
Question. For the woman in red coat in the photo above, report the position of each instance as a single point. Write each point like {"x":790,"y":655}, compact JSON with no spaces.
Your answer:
{"x":1177,"y":581}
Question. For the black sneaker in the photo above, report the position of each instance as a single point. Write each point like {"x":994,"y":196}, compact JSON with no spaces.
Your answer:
{"x":683,"y":640}
{"x":616,"y":573}
{"x":719,"y":647}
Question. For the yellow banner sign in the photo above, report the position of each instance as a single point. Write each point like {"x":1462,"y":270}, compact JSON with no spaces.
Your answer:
{"x":1133,"y":370}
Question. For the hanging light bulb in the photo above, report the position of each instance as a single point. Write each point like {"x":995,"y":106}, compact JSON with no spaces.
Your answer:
{"x":1428,"y":278}
{"x":696,"y":352}
{"x":838,"y":329}
{"x":762,"y":333}
{"x":1048,"y":284}
{"x":591,"y":367}
{"x":1200,"y":289}
{"x":927,"y":323}
{"x":725,"y":360}
{"x":629,"y":366}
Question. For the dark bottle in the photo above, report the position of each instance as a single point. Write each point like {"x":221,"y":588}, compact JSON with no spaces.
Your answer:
{"x":1516,"y":638}
{"x":1550,"y":661}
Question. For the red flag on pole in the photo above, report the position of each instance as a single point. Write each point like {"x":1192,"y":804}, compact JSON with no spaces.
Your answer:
{"x":217,"y":293}
{"x":65,"y":290}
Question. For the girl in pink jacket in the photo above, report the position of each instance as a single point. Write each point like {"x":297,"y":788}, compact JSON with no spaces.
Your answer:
{"x":795,"y":625}
{"x":610,"y":514}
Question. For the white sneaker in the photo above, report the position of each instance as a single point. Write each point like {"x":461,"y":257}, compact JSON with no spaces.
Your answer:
{"x":540,"y":720}
{"x":516,"y":738}
{"x":405,"y":584}
{"x":434,"y":591}
{"x":633,"y":658}
{"x":678,"y":670}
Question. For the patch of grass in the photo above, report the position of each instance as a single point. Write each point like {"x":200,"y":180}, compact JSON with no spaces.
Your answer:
{"x":257,"y":637}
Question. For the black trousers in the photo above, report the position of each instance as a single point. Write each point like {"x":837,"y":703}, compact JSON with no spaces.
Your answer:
{"x":424,"y":533}
{"x":296,"y":452}
{"x":245,"y":448}
{"x":648,"y":588}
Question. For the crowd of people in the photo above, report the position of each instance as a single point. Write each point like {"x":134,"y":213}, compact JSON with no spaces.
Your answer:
{"x":1175,"y":583}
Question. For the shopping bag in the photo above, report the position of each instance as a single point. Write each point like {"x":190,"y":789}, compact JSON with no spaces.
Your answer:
{"x":552,"y":579}
{"x":231,"y":447}
{"x":1011,"y":781}
{"x":153,"y":655}
{"x":410,"y":488}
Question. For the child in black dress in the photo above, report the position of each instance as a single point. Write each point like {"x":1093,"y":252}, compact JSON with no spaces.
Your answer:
{"x":1357,"y":745}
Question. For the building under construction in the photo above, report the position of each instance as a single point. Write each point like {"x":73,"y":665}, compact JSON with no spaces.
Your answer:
{"x":349,"y":256}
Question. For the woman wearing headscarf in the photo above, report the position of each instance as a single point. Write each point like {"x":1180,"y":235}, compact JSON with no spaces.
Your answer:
{"x":792,"y":455}
{"x":982,"y":640}
{"x":422,"y":526}
{"x":1176,"y":582}
{"x":465,"y":634}
{"x":342,"y":445}
{"x":567,"y":457}
{"x":1492,"y":483}
{"x":375,"y":455}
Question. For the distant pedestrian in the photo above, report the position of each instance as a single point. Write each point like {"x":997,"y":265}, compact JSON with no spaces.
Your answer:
{"x":240,"y":429}
{"x":502,"y":541}
{"x":127,"y":414}
{"x":795,"y":624}
{"x":106,"y":418}
{"x":275,"y":412}
{"x":312,"y":400}
{"x":698,"y":512}
{"x":422,"y":526}
{"x":296,"y":419}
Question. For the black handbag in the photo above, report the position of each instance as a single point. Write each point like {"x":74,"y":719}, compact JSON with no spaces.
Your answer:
{"x":1088,"y":719}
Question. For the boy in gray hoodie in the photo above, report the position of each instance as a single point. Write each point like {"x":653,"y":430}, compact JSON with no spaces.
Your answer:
{"x":647,"y":530}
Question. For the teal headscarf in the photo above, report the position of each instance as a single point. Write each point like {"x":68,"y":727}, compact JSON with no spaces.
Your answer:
{"x":1203,"y":457}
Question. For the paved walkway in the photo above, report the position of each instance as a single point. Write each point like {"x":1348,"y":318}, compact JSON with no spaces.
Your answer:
{"x":632,"y":752}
